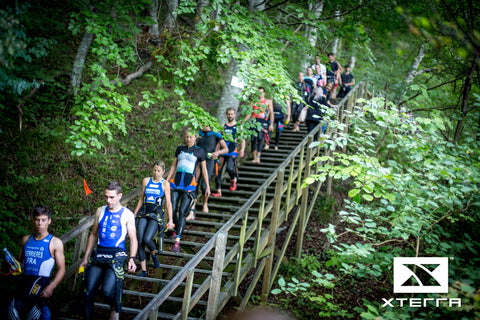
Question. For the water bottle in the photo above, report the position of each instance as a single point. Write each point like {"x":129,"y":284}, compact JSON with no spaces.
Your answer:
{"x":15,"y":266}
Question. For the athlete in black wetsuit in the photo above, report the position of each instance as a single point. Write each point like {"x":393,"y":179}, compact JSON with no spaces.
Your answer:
{"x":105,"y":263}
{"x":184,"y":180}
{"x":208,"y":141}
{"x":149,"y":214}
{"x":279,"y":119}
{"x":229,"y":159}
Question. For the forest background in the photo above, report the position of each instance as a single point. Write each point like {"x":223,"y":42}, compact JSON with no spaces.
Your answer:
{"x":99,"y":90}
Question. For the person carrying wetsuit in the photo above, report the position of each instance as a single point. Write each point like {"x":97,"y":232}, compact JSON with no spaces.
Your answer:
{"x":104,"y":264}
{"x":304,"y":90}
{"x":183,"y":182}
{"x":279,"y":119}
{"x":208,"y":140}
{"x":229,"y":159}
{"x":262,"y":112}
{"x":149,"y":215}
{"x":40,"y":252}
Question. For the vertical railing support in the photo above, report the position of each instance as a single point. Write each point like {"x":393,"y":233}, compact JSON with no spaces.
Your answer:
{"x":299,"y":176}
{"x":79,"y":250}
{"x":241,"y":243}
{"x":259,"y":226}
{"x":289,"y":187}
{"x":304,"y":205}
{"x":188,"y":294}
{"x":277,"y":201}
{"x":216,"y":281}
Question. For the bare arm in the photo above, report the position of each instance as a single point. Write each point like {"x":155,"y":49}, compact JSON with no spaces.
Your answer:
{"x":271,"y":114}
{"x":92,"y":238}
{"x":205,"y":178}
{"x":141,"y":200}
{"x":57,"y":248}
{"x":173,"y":168}
{"x":20,"y":254}
{"x":223,"y":149}
{"x":289,"y":109}
{"x":168,"y":204}
{"x":132,"y":234}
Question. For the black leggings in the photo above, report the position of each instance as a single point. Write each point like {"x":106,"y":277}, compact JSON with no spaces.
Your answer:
{"x":210,"y":164}
{"x":257,"y":139}
{"x":112,"y":285}
{"x":181,"y":203}
{"x":231,"y":164}
{"x":278,"y":124}
{"x":310,"y":126}
{"x":296,"y":109}
{"x":146,"y":229}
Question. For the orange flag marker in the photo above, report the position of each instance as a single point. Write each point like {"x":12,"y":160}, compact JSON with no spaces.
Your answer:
{"x":87,"y":189}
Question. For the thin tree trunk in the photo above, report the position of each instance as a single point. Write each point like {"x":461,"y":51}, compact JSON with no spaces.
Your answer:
{"x":153,"y":12}
{"x":79,"y":62}
{"x":171,"y":18}
{"x":310,"y":32}
{"x":465,"y":95}
{"x":227,"y":99}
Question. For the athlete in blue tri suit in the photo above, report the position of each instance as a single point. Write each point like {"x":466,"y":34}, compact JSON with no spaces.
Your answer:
{"x":40,"y":252}
{"x":113,"y":223}
{"x":183,"y":177}
{"x":149,"y":214}
{"x":229,"y":159}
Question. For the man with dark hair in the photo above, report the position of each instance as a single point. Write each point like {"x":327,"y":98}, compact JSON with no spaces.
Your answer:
{"x":112,"y":224}
{"x":347,"y":82}
{"x":208,"y":141}
{"x":40,"y":252}
{"x":335,"y":71}
{"x":229,"y":159}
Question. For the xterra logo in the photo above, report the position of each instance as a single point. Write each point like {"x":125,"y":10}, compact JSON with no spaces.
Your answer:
{"x":420,"y":275}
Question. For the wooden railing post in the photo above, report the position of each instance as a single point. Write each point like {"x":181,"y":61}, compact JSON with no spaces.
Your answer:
{"x":277,"y":201}
{"x":241,"y":243}
{"x":289,"y":187}
{"x":188,"y":293}
{"x":216,"y":280}
{"x":259,"y":226}
{"x":299,"y":176}
{"x":80,"y":248}
{"x":304,"y":205}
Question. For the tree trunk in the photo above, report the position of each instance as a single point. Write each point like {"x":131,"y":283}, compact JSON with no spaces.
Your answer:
{"x":171,"y":18}
{"x":465,"y":94}
{"x":153,"y":12}
{"x":79,"y":62}
{"x":310,"y":32}
{"x":227,"y":99}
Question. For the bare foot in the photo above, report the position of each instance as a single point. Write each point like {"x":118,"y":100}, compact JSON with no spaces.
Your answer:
{"x":205,"y":209}
{"x":266,"y":147}
{"x":276,"y":148}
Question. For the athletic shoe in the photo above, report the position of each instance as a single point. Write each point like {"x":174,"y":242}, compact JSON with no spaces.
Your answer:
{"x":156,"y":263}
{"x":216,"y":195}
{"x":176,"y":247}
{"x":174,"y":235}
{"x":233,"y":185}
{"x":142,"y":274}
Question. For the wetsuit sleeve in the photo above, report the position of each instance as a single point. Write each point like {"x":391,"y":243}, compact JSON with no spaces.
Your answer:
{"x":177,"y":152}
{"x":201,"y":155}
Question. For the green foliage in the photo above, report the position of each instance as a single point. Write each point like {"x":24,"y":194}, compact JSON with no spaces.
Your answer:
{"x":313,"y":295}
{"x":18,"y":50}
{"x":408,"y":186}
{"x":100,"y":106}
